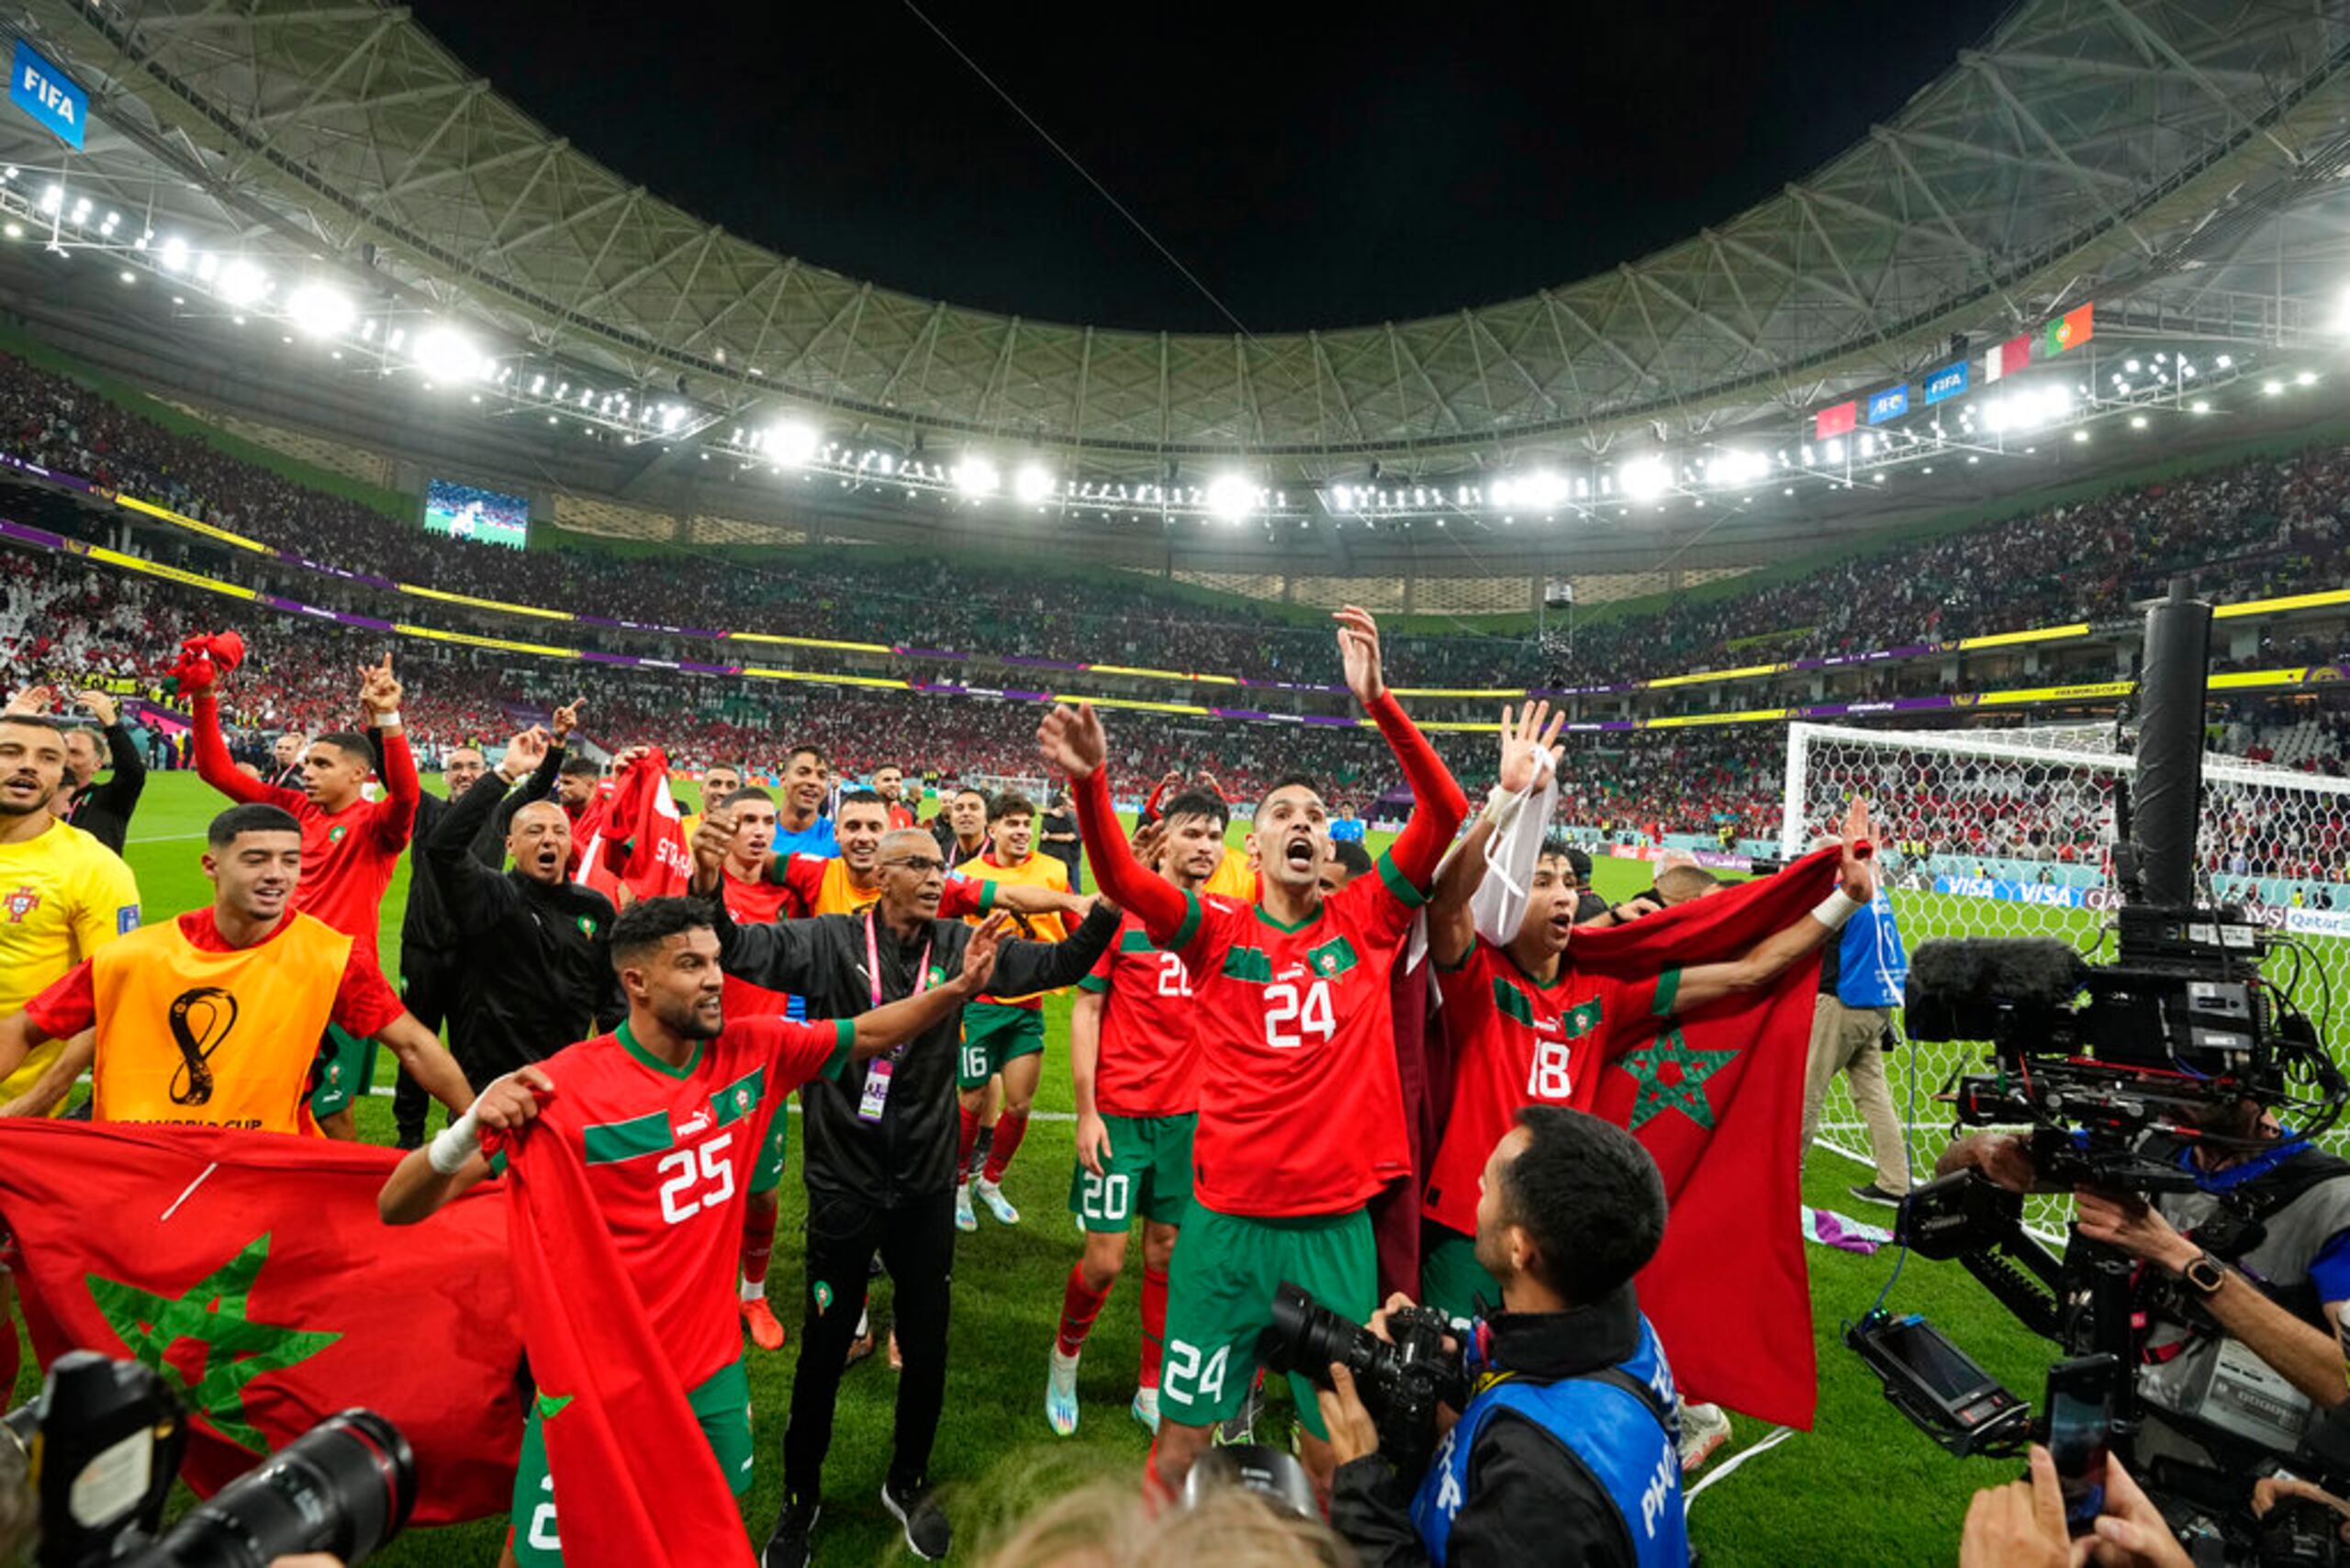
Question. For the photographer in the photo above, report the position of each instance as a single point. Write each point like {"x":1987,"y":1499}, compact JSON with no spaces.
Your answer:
{"x":1566,"y":1451}
{"x":2253,"y":1262}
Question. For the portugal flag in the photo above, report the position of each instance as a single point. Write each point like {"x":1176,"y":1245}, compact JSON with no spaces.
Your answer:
{"x":1718,"y":1100}
{"x":251,"y":1270}
{"x":2070,"y":330}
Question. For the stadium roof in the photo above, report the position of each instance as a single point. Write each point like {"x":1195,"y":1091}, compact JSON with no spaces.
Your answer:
{"x":2171,"y":159}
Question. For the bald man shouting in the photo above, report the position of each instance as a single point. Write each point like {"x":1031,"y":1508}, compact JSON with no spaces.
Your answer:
{"x":534,"y":965}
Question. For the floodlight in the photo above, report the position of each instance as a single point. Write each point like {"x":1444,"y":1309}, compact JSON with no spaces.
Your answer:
{"x":1032,"y":483}
{"x":1644,"y":478}
{"x":790,"y":441}
{"x":241,"y":282}
{"x":1737,"y":467}
{"x":321,"y":311}
{"x":976,"y":477}
{"x":52,"y":198}
{"x":174,"y":255}
{"x":1231,"y":497}
{"x":1541,"y":489}
{"x":444,"y":353}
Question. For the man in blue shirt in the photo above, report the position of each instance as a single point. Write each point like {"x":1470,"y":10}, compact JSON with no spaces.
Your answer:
{"x":1347,"y":827}
{"x":1860,"y":984}
{"x":801,"y":826}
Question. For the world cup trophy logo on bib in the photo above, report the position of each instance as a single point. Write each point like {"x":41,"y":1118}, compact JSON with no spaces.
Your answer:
{"x":202,"y":1018}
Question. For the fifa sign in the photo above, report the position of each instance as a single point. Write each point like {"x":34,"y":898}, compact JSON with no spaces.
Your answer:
{"x":47,"y":95}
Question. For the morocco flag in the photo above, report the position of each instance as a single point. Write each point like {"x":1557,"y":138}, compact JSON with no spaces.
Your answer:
{"x":251,"y":1270}
{"x":1718,"y":1100}
{"x":640,"y":839}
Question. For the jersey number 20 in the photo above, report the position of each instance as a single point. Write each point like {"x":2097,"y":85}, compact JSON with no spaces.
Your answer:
{"x":1290,"y":1015}
{"x":695,"y":1179}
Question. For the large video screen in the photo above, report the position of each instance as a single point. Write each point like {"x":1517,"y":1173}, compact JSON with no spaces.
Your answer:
{"x":468,"y":511}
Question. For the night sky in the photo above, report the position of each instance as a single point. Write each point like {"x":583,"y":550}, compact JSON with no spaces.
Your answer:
{"x":1313,"y":165}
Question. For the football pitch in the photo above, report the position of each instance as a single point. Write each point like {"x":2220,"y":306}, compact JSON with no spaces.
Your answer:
{"x":1863,"y":1487}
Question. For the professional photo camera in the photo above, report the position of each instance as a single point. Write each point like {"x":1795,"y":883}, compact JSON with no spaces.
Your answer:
{"x":1402,"y":1379}
{"x":102,"y":1444}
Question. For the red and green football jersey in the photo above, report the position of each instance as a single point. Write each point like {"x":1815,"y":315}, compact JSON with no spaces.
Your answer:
{"x":669,"y":1153}
{"x":1301,"y":1107}
{"x":1149,"y":1065}
{"x":755,"y":903}
{"x":1517,"y":1042}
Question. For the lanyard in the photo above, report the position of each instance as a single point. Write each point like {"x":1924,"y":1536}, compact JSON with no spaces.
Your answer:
{"x":873,"y":963}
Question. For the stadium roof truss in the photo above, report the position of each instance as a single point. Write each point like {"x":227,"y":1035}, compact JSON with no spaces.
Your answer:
{"x":2176,"y":161}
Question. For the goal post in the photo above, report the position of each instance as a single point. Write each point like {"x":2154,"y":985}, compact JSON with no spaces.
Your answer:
{"x":2008,"y":833}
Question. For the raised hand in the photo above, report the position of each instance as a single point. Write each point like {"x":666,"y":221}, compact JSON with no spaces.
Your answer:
{"x":1072,"y":740}
{"x":1856,"y":865}
{"x":33,"y":699}
{"x":713,"y":839}
{"x":1359,"y":651}
{"x":1524,"y":738}
{"x":566,"y":718}
{"x":979,"y":954}
{"x":101,"y":705}
{"x":379,"y":692}
{"x":1149,"y":842}
{"x":524,"y":752}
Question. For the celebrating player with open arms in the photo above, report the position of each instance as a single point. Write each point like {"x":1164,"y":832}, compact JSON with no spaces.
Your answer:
{"x":678,"y":1068}
{"x":1301,"y":1110}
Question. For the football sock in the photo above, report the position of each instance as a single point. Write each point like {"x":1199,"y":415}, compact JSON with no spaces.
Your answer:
{"x":1081,"y":1305}
{"x":758,"y":1247}
{"x":969,"y":1140}
{"x":1010,"y":1128}
{"x":1154,"y":1324}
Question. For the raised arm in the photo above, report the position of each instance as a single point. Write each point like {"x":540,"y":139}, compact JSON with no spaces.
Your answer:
{"x":379,"y":694}
{"x":1524,"y":737}
{"x":216,"y":767}
{"x":477,"y":894}
{"x":1072,"y":739}
{"x":886,"y":1028}
{"x":1026,"y":967}
{"x":120,"y":793}
{"x":541,"y":781}
{"x":436,"y":1175}
{"x":1437,"y":804}
{"x":784,"y":955}
{"x":1770,"y":958}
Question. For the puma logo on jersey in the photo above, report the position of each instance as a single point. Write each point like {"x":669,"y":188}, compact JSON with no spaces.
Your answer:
{"x":698,"y":1122}
{"x":1292,"y":971}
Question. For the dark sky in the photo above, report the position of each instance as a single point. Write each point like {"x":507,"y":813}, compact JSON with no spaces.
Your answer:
{"x":1313,"y":165}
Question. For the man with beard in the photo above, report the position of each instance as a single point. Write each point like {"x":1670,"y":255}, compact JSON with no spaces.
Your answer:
{"x":101,"y":811}
{"x":962,"y":828}
{"x":531,"y":971}
{"x":680,"y":1067}
{"x":889,"y":783}
{"x":285,"y":754}
{"x":350,"y":845}
{"x":719,"y":781}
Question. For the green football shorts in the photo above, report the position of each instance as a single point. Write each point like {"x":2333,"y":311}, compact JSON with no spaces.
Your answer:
{"x":723,"y":1405}
{"x":1149,"y":1169}
{"x":1450,"y":1276}
{"x":993,"y":1036}
{"x":346,"y":1066}
{"x":768,"y":1174}
{"x":1220,"y":1297}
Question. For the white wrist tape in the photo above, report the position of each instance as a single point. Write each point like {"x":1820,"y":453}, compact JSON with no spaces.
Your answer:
{"x":453,"y":1145}
{"x":1836,"y":909}
{"x":391,"y":720}
{"x":1501,"y":807}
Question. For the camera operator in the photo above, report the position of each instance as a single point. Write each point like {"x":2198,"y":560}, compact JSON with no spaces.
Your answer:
{"x":1566,"y":1452}
{"x":2253,"y":1262}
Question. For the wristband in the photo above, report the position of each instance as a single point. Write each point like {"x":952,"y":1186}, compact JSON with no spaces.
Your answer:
{"x":1501,"y":807}
{"x":391,"y":720}
{"x":1836,"y":909}
{"x":453,"y":1145}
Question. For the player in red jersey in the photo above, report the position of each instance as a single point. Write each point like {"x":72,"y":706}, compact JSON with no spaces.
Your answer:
{"x":751,"y":899}
{"x":1301,"y":1107}
{"x":1132,"y":1060}
{"x":350,"y":845}
{"x":668,"y":1111}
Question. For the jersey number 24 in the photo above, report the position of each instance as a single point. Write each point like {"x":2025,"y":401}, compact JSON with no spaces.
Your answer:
{"x":1292,"y":1014}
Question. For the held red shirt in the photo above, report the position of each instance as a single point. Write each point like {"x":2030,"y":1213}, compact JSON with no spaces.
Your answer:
{"x":668,"y":1152}
{"x":1300,"y":1108}
{"x":1518,"y":1042}
{"x":1149,"y":1063}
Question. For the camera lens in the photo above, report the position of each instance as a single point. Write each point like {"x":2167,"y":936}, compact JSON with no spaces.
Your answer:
{"x":344,"y":1487}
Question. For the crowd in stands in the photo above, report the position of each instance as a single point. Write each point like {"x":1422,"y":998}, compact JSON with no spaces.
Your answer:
{"x":2264,"y":525}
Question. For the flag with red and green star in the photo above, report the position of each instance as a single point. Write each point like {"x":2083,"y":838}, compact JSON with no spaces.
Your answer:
{"x":1717,"y":1098}
{"x":252,"y":1272}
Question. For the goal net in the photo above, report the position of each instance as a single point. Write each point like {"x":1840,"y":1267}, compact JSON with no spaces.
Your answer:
{"x":2006,"y":832}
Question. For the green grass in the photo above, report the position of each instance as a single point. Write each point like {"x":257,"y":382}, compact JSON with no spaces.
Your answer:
{"x":1861,"y":1488}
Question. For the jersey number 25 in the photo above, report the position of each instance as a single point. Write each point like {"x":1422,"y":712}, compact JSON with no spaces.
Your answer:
{"x":695,"y":1179}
